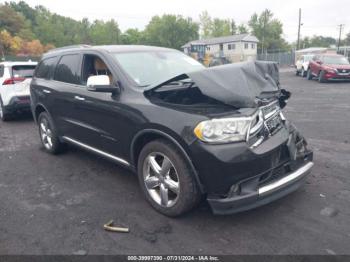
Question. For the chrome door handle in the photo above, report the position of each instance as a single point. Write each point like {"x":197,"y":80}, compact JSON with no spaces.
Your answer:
{"x":46,"y":91}
{"x":79,"y":98}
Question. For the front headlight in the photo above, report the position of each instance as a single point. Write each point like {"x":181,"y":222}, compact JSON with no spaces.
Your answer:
{"x":223,"y":130}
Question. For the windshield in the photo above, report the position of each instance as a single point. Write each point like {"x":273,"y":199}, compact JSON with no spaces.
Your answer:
{"x":307,"y":58}
{"x":26,"y":71}
{"x":153,"y":67}
{"x":335,"y":60}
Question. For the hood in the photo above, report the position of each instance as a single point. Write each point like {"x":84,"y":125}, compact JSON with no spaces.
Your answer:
{"x":239,"y":84}
{"x":333,"y":66}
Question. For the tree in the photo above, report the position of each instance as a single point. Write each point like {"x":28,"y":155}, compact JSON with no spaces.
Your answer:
{"x":11,"y":21}
{"x":347,"y":39}
{"x":233,"y":27}
{"x":104,"y":33}
{"x":317,"y":41}
{"x":221,"y":27}
{"x":268,"y":30}
{"x":205,"y":24}
{"x":132,"y":37}
{"x":242,"y":29}
{"x":170,"y":31}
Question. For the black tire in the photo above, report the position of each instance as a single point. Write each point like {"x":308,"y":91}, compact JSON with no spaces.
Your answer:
{"x":297,"y":73}
{"x":321,"y":78}
{"x":189,"y":194}
{"x":303,"y":73}
{"x":309,"y":75}
{"x":4,"y":115}
{"x":55,"y":146}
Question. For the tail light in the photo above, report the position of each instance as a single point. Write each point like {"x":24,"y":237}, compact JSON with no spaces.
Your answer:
{"x":13,"y":80}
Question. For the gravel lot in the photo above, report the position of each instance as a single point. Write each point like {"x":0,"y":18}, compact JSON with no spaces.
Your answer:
{"x":58,"y":204}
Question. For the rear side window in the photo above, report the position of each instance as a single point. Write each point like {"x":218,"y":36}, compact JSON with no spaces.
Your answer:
{"x":1,"y":70}
{"x":68,"y":69}
{"x":23,"y":71}
{"x":46,"y":68}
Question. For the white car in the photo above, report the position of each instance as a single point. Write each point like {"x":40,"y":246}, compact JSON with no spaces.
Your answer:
{"x":302,"y":65}
{"x":15,"y":80}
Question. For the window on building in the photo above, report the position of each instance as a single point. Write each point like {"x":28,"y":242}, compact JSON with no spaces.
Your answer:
{"x":229,"y":46}
{"x":233,"y":46}
{"x":68,"y":69}
{"x":253,"y":46}
{"x":246,"y":46}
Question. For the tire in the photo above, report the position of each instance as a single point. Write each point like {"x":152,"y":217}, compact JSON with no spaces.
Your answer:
{"x":309,"y":75}
{"x":321,"y":78}
{"x":303,"y":72}
{"x":172,"y":190}
{"x":48,"y":134}
{"x":297,"y":73}
{"x":4,"y":115}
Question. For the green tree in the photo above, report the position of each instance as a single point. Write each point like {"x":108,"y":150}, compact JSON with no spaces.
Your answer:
{"x":205,"y":24}
{"x":132,"y":37}
{"x":104,"y":33}
{"x":10,"y":20}
{"x":170,"y":31}
{"x":221,"y":27}
{"x":242,"y":29}
{"x":268,"y":30}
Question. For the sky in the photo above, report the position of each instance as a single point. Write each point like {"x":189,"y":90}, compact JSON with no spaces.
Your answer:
{"x":319,"y":17}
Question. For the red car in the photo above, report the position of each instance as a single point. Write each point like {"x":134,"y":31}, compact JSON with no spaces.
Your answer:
{"x":327,"y":67}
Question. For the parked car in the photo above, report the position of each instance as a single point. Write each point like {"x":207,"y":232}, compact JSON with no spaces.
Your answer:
{"x":15,"y":78}
{"x":302,"y":65}
{"x":186,"y":130}
{"x":329,"y":67}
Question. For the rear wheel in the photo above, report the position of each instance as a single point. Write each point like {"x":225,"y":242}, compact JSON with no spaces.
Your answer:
{"x":48,"y":134}
{"x":167,"y":179}
{"x":309,"y":74}
{"x":4,"y":115}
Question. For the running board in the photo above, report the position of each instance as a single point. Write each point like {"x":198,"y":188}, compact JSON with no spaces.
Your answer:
{"x":95,"y":150}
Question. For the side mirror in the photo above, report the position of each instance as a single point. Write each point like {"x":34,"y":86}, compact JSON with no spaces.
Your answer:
{"x":101,"y":83}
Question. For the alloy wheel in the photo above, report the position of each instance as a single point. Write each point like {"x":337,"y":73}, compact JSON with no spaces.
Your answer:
{"x":46,"y":134}
{"x":161,"y":179}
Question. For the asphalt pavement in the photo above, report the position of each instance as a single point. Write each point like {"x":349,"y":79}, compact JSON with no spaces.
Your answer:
{"x":58,"y":204}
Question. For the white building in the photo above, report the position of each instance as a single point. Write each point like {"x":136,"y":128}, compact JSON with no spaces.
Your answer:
{"x":236,"y":48}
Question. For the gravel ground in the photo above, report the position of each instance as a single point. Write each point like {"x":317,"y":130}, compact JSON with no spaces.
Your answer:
{"x":58,"y":204}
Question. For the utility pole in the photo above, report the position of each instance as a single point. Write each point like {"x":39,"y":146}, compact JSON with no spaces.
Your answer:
{"x":340,"y":30}
{"x":299,"y":25}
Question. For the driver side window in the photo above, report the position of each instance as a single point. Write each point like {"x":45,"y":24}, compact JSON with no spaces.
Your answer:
{"x":92,"y":66}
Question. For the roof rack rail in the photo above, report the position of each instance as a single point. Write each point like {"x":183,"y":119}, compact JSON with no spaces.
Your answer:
{"x":68,"y":47}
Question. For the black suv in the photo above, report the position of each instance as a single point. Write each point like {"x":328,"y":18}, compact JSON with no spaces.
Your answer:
{"x":188,"y":131}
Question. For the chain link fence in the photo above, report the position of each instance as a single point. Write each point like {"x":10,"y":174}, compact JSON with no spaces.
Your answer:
{"x":283,"y":58}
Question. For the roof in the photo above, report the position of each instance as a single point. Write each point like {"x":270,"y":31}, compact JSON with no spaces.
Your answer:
{"x":313,"y":49}
{"x":224,"y":39}
{"x":110,"y":48}
{"x":17,"y":63}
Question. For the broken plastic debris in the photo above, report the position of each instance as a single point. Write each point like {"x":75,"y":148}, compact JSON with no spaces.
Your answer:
{"x":109,"y":227}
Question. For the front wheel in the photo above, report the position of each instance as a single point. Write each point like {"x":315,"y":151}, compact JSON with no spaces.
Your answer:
{"x":309,"y":74}
{"x":167,"y":179}
{"x":303,"y":72}
{"x":48,"y":134}
{"x":321,"y":77}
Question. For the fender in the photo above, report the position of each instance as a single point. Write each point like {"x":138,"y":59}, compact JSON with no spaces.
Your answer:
{"x":175,"y":142}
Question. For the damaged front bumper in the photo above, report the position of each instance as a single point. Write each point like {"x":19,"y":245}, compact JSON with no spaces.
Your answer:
{"x":240,"y":177}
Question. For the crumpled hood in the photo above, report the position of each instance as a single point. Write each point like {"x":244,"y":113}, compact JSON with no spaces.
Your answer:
{"x":238,"y":84}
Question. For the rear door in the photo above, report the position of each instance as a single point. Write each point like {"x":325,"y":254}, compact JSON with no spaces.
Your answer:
{"x":67,"y":82}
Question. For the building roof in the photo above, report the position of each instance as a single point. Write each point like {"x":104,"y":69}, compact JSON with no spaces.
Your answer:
{"x":223,"y":39}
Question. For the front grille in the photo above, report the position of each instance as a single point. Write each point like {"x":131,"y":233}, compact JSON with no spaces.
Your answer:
{"x":343,"y":71}
{"x":270,"y":109}
{"x":274,"y":123}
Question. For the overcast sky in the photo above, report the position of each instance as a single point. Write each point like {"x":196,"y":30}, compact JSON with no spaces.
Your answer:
{"x":320,"y":17}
